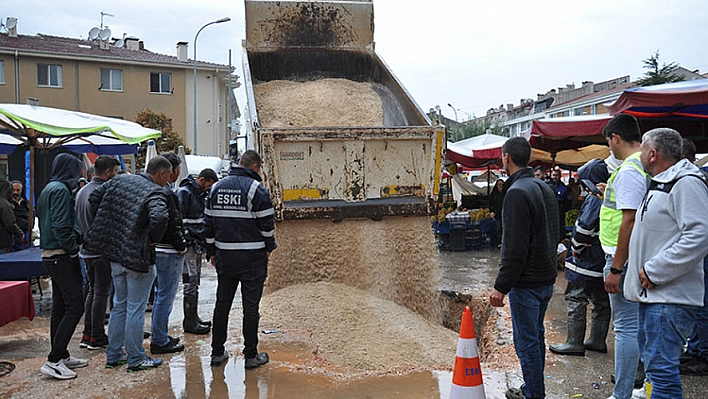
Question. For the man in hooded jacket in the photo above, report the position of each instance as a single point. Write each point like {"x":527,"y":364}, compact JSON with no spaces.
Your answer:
{"x":60,"y":239}
{"x":666,"y":250}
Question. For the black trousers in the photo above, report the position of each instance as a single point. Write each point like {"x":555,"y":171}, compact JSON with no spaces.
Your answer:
{"x":67,"y":302}
{"x":249,"y":270}
{"x":100,"y":283}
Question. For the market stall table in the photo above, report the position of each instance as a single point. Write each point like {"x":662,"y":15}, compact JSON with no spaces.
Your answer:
{"x":15,"y":301}
{"x":22,"y":265}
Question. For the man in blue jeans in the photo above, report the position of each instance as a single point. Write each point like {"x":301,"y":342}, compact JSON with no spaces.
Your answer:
{"x":168,"y":267}
{"x":528,"y":263}
{"x":622,"y":196}
{"x":666,"y":251}
{"x":130,"y":216}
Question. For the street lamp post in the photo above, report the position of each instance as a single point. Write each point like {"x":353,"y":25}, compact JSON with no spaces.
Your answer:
{"x":455,"y":110}
{"x":218,"y":21}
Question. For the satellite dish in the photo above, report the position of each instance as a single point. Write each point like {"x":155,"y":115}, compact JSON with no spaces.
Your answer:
{"x":11,"y":22}
{"x":93,"y":33}
{"x":105,"y":34}
{"x":119,"y":43}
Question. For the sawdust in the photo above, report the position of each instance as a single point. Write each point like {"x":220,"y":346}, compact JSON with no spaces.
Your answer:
{"x":359,"y":331}
{"x":318,"y":103}
{"x":393,"y":259}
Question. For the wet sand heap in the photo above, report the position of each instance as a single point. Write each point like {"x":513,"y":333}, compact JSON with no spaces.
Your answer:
{"x":323,"y":102}
{"x":357,"y":330}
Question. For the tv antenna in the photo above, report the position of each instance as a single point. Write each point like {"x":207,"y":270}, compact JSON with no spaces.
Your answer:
{"x":106,"y":14}
{"x":10,"y":23}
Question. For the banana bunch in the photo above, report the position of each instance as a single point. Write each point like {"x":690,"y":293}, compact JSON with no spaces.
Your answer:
{"x":478,"y":215}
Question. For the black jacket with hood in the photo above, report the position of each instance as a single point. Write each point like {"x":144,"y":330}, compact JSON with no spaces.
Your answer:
{"x":58,"y":226}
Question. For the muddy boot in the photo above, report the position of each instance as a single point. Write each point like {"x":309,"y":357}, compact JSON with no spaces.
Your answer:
{"x":191,"y":323}
{"x":598,"y":334}
{"x":599,"y":326}
{"x":573,"y":345}
{"x":202,"y":322}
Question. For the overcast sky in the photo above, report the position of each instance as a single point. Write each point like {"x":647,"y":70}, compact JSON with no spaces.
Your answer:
{"x":474,"y":55}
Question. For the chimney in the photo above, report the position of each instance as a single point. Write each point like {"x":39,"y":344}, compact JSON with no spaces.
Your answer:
{"x":131,"y":43}
{"x":11,"y":25}
{"x":141,"y":45}
{"x":182,"y":54}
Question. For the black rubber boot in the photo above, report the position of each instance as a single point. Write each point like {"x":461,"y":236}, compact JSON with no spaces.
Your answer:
{"x":191,"y":323}
{"x":598,"y":335}
{"x":573,"y":345}
{"x":202,"y":322}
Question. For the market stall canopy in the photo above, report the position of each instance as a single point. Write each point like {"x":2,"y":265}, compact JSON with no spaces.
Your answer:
{"x":100,"y":144}
{"x":682,"y":106}
{"x":570,"y":159}
{"x":689,"y":99}
{"x":566,"y":133}
{"x":30,"y":124}
{"x":478,"y":151}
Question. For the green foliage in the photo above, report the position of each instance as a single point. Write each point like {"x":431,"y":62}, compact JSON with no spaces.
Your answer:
{"x":474,"y":128}
{"x":168,"y":142}
{"x":656,"y":74}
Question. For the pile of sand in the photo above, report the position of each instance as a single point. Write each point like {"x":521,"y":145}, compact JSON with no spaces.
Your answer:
{"x":354,"y":329}
{"x":393,"y":259}
{"x":319,"y":103}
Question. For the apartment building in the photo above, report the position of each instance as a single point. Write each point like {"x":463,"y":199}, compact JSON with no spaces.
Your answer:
{"x":118,"y":78}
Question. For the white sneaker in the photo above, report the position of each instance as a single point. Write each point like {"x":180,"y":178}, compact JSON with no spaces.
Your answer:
{"x":74,"y":363}
{"x":639,"y":393}
{"x":57,"y":370}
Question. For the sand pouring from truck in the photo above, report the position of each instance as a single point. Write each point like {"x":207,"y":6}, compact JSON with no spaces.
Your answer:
{"x":352,"y":162}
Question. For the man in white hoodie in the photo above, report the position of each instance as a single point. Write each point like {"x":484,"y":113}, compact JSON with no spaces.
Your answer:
{"x":666,"y":250}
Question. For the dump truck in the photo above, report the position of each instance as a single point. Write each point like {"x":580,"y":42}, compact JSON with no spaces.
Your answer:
{"x":352,"y":201}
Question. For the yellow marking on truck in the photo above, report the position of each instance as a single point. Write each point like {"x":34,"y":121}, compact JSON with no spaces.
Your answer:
{"x":397,"y":191}
{"x":295,"y":194}
{"x":438,"y":155}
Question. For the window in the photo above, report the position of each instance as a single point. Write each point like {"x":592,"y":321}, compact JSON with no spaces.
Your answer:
{"x":2,"y":71}
{"x":49,"y":75}
{"x":111,"y":80}
{"x":160,"y":82}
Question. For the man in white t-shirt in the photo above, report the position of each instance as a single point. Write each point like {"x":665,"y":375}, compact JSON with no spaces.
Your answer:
{"x":623,"y":194}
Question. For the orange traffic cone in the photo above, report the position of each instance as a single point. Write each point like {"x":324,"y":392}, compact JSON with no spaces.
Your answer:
{"x":467,"y":377}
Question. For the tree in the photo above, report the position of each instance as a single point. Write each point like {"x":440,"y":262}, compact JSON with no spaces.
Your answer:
{"x":169,"y":141}
{"x":657,"y":75}
{"x":476,"y":127}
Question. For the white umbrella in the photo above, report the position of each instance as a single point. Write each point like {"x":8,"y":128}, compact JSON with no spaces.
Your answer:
{"x":184,"y":169}
{"x":150,"y":153}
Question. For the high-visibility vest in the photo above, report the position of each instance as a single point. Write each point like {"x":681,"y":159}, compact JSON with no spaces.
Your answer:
{"x":610,"y":216}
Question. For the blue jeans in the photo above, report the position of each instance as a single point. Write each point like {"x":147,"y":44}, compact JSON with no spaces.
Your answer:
{"x":625,"y":316}
{"x":698,"y":344}
{"x":168,"y":273}
{"x":664,"y":328}
{"x":528,"y":308}
{"x":125,"y":326}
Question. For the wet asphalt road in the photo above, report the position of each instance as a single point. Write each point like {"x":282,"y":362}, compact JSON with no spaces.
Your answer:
{"x":190,"y":375}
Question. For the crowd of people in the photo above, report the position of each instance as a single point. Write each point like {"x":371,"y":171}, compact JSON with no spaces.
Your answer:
{"x":111,"y":239}
{"x":637,"y":253}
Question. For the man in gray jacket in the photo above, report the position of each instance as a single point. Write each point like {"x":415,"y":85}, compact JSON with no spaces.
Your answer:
{"x":665,"y":273}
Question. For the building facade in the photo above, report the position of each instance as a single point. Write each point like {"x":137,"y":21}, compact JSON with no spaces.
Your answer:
{"x":118,"y":78}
